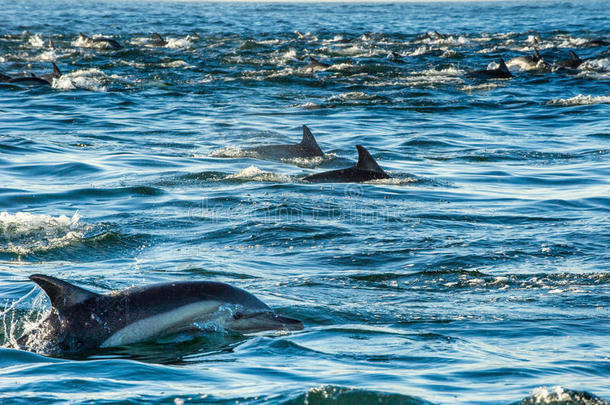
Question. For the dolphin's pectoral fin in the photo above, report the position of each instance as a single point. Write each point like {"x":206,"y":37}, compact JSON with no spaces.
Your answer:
{"x":366,"y":161}
{"x":62,"y":294}
{"x":309,"y":142}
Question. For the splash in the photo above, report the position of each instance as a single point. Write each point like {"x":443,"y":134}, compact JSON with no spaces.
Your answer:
{"x":86,"y":79}
{"x":581,"y":100}
{"x":23,"y":233}
{"x":253,"y":173}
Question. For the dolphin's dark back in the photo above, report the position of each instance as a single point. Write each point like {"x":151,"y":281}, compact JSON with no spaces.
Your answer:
{"x":81,"y":320}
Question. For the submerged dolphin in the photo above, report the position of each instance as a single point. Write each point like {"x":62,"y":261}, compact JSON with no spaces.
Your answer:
{"x":109,"y":42}
{"x":501,"y":72}
{"x":82,"y":320}
{"x":572,"y":62}
{"x":306,"y":149}
{"x":365,"y":170}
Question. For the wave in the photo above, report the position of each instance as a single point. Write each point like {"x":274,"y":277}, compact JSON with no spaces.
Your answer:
{"x":330,"y":394}
{"x":580,"y":100}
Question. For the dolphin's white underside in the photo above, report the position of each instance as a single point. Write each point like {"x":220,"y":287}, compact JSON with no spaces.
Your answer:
{"x":162,"y":323}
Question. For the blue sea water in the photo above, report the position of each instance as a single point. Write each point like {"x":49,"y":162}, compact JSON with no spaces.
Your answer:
{"x":479,"y":274}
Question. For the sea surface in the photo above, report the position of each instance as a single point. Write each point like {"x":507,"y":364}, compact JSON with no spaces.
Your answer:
{"x":478,"y":274}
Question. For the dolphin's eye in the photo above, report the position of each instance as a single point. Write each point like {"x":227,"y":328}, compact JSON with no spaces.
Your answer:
{"x":238,"y":315}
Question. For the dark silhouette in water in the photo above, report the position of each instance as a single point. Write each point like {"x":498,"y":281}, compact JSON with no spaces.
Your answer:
{"x":365,"y":170}
{"x":46,"y":79}
{"x":501,"y":72}
{"x":571,"y":63}
{"x":307,"y":148}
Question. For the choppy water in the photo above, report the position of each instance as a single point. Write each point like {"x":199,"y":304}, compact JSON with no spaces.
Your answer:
{"x":478,"y":275}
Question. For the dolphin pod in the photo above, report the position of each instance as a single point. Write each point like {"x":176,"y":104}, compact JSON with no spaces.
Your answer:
{"x":82,"y":320}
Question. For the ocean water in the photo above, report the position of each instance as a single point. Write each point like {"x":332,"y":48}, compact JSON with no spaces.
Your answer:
{"x":479,"y":274}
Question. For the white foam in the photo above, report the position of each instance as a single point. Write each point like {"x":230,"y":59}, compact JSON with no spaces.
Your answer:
{"x":255,"y":174}
{"x":230,"y":152}
{"x":23,"y":232}
{"x":87,"y":79}
{"x":179,"y":42}
{"x":36,"y":41}
{"x":581,"y":100}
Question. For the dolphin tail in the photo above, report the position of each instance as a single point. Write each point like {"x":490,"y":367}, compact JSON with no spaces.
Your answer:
{"x":56,"y":71}
{"x":62,"y":294}
{"x":309,"y":142}
{"x":366,"y":161}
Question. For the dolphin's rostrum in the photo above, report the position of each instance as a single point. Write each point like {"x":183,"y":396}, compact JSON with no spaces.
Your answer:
{"x":82,"y":320}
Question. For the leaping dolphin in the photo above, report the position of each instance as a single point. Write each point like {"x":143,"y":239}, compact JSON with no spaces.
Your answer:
{"x":501,"y":72}
{"x":108,"y":42}
{"x":306,"y":149}
{"x":365,"y":170}
{"x":82,"y":320}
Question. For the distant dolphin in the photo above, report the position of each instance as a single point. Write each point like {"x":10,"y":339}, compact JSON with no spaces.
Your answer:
{"x":571,"y":63}
{"x":596,"y":42}
{"x":315,"y":64}
{"x":157,"y":40}
{"x":306,"y":149}
{"x":109,"y":42}
{"x":365,"y":170}
{"x":501,"y":72}
{"x":82,"y":320}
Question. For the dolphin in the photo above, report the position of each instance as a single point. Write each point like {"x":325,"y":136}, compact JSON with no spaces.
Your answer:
{"x":108,"y":42}
{"x":157,"y":40}
{"x":81,"y":320}
{"x":571,"y":63}
{"x":596,"y":42}
{"x":306,"y":149}
{"x":501,"y":72}
{"x":46,"y":79}
{"x":315,"y":64}
{"x":365,"y":170}
{"x":529,"y":62}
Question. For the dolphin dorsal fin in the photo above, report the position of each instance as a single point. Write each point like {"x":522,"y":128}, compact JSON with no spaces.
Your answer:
{"x":309,"y":142}
{"x":536,"y":55}
{"x":366,"y":161}
{"x":62,"y":294}
{"x":56,"y":71}
{"x":51,"y":44}
{"x":80,"y":34}
{"x":573,"y":56}
{"x":502,"y":66}
{"x":157,"y":36}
